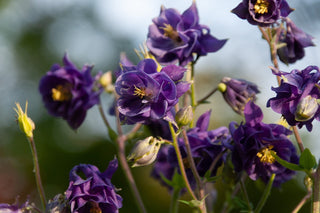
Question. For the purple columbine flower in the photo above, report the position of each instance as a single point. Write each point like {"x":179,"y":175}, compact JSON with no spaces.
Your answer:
{"x":95,"y":193}
{"x":145,"y":94}
{"x":68,"y":92}
{"x":297,"y":97}
{"x":175,"y":38}
{"x":295,"y":41}
{"x":262,"y":12}
{"x":253,"y":143}
{"x":16,"y":208}
{"x":205,"y":146}
{"x":237,"y":92}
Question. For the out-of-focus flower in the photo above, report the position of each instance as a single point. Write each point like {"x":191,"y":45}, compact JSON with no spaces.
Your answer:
{"x":106,"y":82}
{"x":16,"y":208}
{"x":25,"y":123}
{"x":146,"y":94}
{"x":176,"y":38}
{"x":95,"y":193}
{"x":253,"y":143}
{"x":59,"y":204}
{"x":145,"y":151}
{"x":205,"y":147}
{"x":297,"y":97}
{"x":237,"y":92}
{"x":68,"y":92}
{"x":295,"y":41}
{"x":262,"y":12}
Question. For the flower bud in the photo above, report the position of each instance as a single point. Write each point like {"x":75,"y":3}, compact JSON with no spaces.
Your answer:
{"x":184,"y":116}
{"x":25,"y":123}
{"x":306,"y":109}
{"x":106,"y":82}
{"x":145,"y":151}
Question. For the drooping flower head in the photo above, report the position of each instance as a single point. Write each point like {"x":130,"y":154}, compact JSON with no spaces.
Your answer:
{"x":262,"y":12}
{"x":205,"y":146}
{"x":68,"y":92}
{"x":237,"y":92}
{"x":295,"y":41}
{"x":175,"y":37}
{"x":297,"y":97}
{"x":253,"y":143}
{"x":146,"y":94}
{"x":95,"y":193}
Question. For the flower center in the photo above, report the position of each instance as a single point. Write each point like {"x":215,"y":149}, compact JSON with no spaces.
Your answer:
{"x":171,"y":33}
{"x":265,"y":155}
{"x":61,"y":93}
{"x":94,"y":207}
{"x":140,"y":92}
{"x":261,"y":6}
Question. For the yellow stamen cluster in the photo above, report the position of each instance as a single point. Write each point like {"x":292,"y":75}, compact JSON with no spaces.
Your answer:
{"x":265,"y":155}
{"x":61,"y":93}
{"x":139,"y":92}
{"x":261,"y":6}
{"x":171,"y":33}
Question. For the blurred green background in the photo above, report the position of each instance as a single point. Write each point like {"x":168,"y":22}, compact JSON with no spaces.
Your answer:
{"x":34,"y":34}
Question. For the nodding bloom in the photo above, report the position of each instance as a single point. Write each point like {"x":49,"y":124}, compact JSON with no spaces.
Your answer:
{"x":237,"y":92}
{"x":262,"y":12}
{"x":254,"y":142}
{"x":298,"y":97}
{"x":145,"y":94}
{"x":68,"y":92}
{"x":176,"y":38}
{"x":295,"y":41}
{"x":94,"y":192}
{"x":205,"y":146}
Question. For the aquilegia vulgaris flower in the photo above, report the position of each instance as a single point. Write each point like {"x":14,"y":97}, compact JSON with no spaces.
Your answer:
{"x":253,"y":143}
{"x":146,"y":94}
{"x":262,"y":12}
{"x":95,"y":193}
{"x":297,"y":97}
{"x":68,"y":92}
{"x":16,"y":208}
{"x":175,"y":38}
{"x":295,"y":41}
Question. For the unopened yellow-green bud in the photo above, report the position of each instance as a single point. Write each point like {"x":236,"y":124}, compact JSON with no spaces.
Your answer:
{"x":106,"y":82}
{"x":25,"y":123}
{"x":306,"y":108}
{"x":184,"y":116}
{"x":222,"y":87}
{"x":145,"y":152}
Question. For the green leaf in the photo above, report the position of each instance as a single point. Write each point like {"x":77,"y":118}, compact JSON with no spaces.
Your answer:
{"x":307,"y":160}
{"x":287,"y":164}
{"x":112,"y":134}
{"x":208,"y":177}
{"x":192,"y":203}
{"x":177,"y":181}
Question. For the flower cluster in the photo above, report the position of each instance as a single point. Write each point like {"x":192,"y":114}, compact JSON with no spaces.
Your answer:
{"x":254,"y":142}
{"x":175,"y":37}
{"x":297,"y":96}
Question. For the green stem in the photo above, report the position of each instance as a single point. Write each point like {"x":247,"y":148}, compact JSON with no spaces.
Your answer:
{"x":193,"y":92}
{"x":246,"y":197}
{"x":174,"y":205}
{"x":207,"y":96}
{"x":180,"y":162}
{"x":37,"y":172}
{"x":265,"y":194}
{"x":302,"y":202}
{"x":316,"y":191}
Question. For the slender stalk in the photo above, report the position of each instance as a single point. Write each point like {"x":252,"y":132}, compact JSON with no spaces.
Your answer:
{"x":37,"y":172}
{"x":174,"y":205}
{"x":316,"y":191}
{"x":207,"y":96}
{"x":265,"y":194}
{"x":193,"y":92}
{"x":180,"y":162}
{"x":302,"y":202}
{"x":245,"y":194}
{"x":104,"y":117}
{"x":298,"y":138}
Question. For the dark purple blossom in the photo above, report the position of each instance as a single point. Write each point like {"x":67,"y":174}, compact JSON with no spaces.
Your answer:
{"x":262,"y":12}
{"x":95,"y":193}
{"x":237,"y":92}
{"x":295,"y":41}
{"x":145,"y":94}
{"x":205,"y":146}
{"x":175,"y":38}
{"x":68,"y":92}
{"x":297,"y":97}
{"x":253,"y":143}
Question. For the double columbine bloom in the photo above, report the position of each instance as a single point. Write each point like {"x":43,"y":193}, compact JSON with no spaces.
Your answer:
{"x":68,"y":92}
{"x":298,"y":97}
{"x":175,"y":37}
{"x":95,"y":193}
{"x":254,"y":142}
{"x":145,"y":94}
{"x":262,"y":12}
